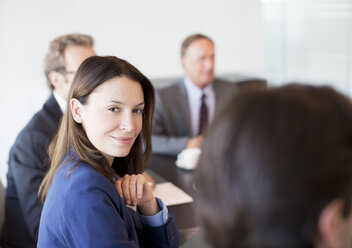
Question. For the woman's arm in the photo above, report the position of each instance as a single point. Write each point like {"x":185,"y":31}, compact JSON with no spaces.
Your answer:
{"x":154,"y":215}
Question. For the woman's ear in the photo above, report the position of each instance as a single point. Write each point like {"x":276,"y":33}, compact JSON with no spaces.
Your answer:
{"x":76,"y":109}
{"x":331,"y":225}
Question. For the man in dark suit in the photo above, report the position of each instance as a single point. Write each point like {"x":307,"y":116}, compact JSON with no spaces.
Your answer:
{"x":184,"y":109}
{"x":28,"y":160}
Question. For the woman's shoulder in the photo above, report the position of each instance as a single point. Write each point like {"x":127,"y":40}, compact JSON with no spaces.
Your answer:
{"x":84,"y":173}
{"x":77,"y":178}
{"x":81,"y":202}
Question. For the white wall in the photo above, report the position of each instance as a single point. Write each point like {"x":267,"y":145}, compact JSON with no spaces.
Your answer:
{"x":309,"y":41}
{"x":148,"y":33}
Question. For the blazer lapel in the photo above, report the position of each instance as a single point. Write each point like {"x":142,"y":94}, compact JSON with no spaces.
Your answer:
{"x":184,"y":106}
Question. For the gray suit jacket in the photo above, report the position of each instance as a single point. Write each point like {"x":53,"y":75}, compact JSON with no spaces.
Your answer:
{"x":171,"y":124}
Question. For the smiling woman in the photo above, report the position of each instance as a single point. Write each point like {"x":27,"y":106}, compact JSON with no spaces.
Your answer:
{"x":112,"y":118}
{"x":97,"y":159}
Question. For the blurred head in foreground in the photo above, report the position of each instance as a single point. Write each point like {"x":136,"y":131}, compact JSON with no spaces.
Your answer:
{"x":276,"y":170}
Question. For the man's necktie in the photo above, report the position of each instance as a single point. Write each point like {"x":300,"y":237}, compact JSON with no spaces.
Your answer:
{"x":203,"y":115}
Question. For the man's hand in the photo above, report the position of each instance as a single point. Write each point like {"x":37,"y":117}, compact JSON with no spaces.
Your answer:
{"x":195,"y":142}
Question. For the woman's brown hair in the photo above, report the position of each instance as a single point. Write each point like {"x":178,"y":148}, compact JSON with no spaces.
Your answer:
{"x":93,"y":72}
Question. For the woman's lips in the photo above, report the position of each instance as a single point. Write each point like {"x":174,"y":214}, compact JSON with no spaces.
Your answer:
{"x":123,"y":140}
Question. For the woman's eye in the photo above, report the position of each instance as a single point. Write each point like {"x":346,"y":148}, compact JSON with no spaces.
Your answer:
{"x":114,"y":109}
{"x":138,"y":111}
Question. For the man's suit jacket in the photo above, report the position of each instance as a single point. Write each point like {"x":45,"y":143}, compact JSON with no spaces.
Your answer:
{"x":84,"y":209}
{"x":171,"y":124}
{"x":28,"y":163}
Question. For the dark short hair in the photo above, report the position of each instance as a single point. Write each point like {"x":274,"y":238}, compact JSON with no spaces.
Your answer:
{"x":54,"y":59}
{"x":190,"y":39}
{"x":271,"y":161}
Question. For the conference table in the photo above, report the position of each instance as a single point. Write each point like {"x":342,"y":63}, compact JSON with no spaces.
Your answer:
{"x":184,"y":214}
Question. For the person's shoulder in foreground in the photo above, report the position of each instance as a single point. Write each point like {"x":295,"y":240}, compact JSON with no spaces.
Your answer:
{"x":276,"y":170}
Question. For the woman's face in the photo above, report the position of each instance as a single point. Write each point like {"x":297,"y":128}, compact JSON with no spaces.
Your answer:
{"x":112,"y":116}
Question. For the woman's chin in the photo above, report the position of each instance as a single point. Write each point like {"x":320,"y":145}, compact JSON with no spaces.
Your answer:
{"x":122,"y":153}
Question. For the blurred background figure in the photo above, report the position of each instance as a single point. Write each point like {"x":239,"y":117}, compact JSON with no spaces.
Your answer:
{"x":276,"y":170}
{"x":184,"y":109}
{"x":28,"y":159}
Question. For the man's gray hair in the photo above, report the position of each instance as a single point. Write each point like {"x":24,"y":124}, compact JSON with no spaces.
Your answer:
{"x":190,"y":39}
{"x":54,"y":59}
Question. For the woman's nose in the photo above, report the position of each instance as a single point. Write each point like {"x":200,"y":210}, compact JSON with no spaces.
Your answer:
{"x":126,"y":124}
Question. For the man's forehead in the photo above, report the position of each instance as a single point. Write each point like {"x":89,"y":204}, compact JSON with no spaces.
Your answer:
{"x":200,"y":47}
{"x":74,"y":55}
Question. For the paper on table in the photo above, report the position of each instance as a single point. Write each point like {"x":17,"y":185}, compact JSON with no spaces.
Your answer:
{"x":170,"y":194}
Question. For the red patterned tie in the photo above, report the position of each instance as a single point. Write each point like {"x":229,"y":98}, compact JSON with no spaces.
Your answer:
{"x":203,"y":115}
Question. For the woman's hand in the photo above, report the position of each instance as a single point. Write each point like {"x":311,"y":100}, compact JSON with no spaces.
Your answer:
{"x":149,"y":179}
{"x":135,"y":191}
